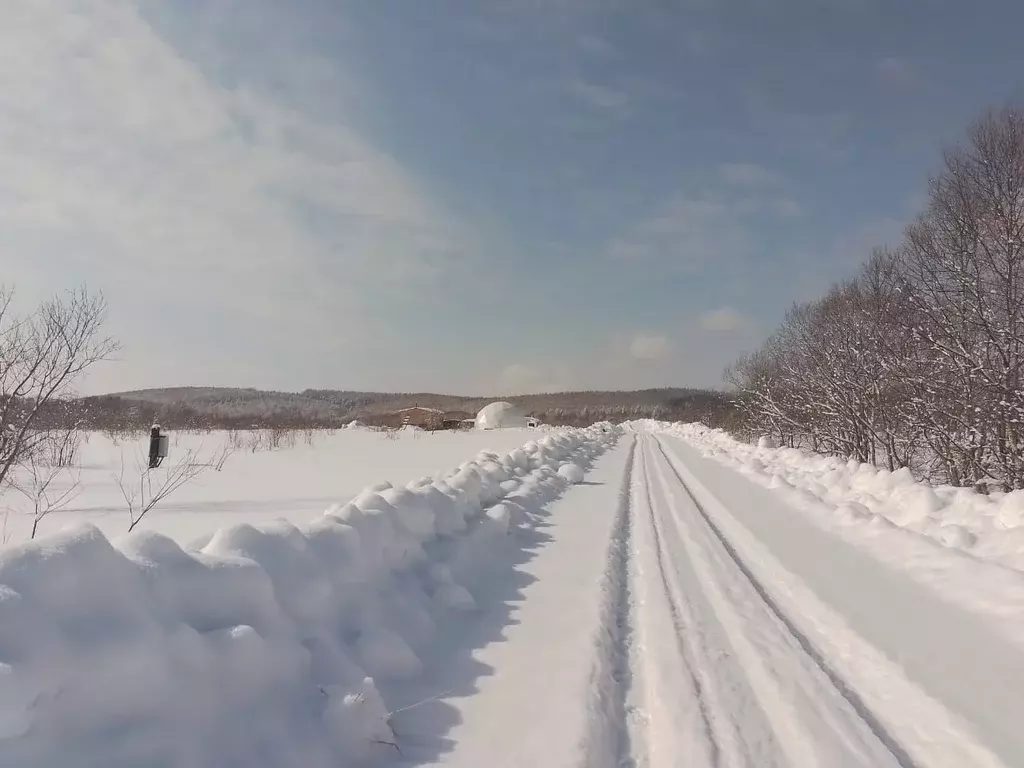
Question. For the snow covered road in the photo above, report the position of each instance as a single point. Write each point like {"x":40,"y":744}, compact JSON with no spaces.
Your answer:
{"x":722,"y":628}
{"x":611,"y":597}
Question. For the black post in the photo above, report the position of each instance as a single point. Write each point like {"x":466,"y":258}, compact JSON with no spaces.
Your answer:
{"x":154,"y":447}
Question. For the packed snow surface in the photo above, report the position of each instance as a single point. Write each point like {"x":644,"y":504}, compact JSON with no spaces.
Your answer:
{"x":651,"y":595}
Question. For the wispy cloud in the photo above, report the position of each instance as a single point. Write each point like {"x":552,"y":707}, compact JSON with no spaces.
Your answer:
{"x":123,"y":162}
{"x":723,"y":319}
{"x":689,"y":231}
{"x":649,"y":347}
{"x":598,"y":96}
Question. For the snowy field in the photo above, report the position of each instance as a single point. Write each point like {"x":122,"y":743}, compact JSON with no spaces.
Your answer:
{"x":296,"y":482}
{"x":652,"y":595}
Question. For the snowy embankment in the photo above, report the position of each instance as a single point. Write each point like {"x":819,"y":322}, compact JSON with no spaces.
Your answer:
{"x":266,"y":646}
{"x":969,"y":546}
{"x":256,"y":483}
{"x":989,"y":527}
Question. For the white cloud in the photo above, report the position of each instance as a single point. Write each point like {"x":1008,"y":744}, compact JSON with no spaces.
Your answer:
{"x":649,"y":347}
{"x":692,"y":232}
{"x":122,"y":162}
{"x":687,"y":232}
{"x":603,"y":97}
{"x":747,"y":175}
{"x":723,"y":319}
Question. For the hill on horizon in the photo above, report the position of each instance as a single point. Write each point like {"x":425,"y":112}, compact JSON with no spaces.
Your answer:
{"x":240,"y":406}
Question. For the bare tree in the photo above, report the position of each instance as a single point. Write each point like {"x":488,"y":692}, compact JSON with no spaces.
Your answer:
{"x":42,"y":354}
{"x":219,"y":459}
{"x":37,"y":482}
{"x":145,"y":488}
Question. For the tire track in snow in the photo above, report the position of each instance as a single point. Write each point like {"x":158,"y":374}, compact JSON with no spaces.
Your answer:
{"x":848,"y":694}
{"x":684,"y":628}
{"x":608,"y":742}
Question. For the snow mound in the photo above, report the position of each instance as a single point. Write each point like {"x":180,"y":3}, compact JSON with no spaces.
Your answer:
{"x":501,"y":416}
{"x":139,"y":652}
{"x":573,"y":473}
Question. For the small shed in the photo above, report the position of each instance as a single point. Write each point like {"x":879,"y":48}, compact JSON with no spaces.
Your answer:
{"x":416,"y":416}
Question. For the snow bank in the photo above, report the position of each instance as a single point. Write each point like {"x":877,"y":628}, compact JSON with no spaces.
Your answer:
{"x":265,"y":646}
{"x":966,"y":546}
{"x":988,"y":527}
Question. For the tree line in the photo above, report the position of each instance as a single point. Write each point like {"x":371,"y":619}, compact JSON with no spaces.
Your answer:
{"x":917,"y":361}
{"x":209,"y":408}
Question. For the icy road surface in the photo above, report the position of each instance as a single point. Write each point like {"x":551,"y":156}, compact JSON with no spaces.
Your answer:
{"x":676,"y":613}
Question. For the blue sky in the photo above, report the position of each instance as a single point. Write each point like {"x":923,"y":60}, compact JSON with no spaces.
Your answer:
{"x":485,"y":196}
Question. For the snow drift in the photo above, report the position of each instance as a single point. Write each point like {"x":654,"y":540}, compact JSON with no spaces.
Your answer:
{"x":989,"y":527}
{"x":266,"y":646}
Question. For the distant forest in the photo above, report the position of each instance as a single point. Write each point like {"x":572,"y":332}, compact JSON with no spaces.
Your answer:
{"x":226,"y":408}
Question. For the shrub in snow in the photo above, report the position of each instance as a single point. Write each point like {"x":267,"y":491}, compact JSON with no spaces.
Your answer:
{"x":1011,"y":510}
{"x":910,"y":502}
{"x":384,"y":533}
{"x":454,"y":597}
{"x":852,"y":512}
{"x":205,"y":591}
{"x":499,"y":517}
{"x":957,"y":536}
{"x":298,"y":579}
{"x":330,"y":662}
{"x":385,"y":655}
{"x":339,"y":549}
{"x":447,"y":593}
{"x":358,"y":721}
{"x":766,"y":441}
{"x":515,"y":503}
{"x":450,"y":508}
{"x":572,"y":473}
{"x":412,"y":511}
{"x":468,"y":482}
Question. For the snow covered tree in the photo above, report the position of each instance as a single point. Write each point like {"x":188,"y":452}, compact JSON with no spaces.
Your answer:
{"x":919,"y":360}
{"x":964,"y":260}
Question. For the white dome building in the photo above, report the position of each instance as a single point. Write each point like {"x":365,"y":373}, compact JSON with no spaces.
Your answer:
{"x":501,"y":416}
